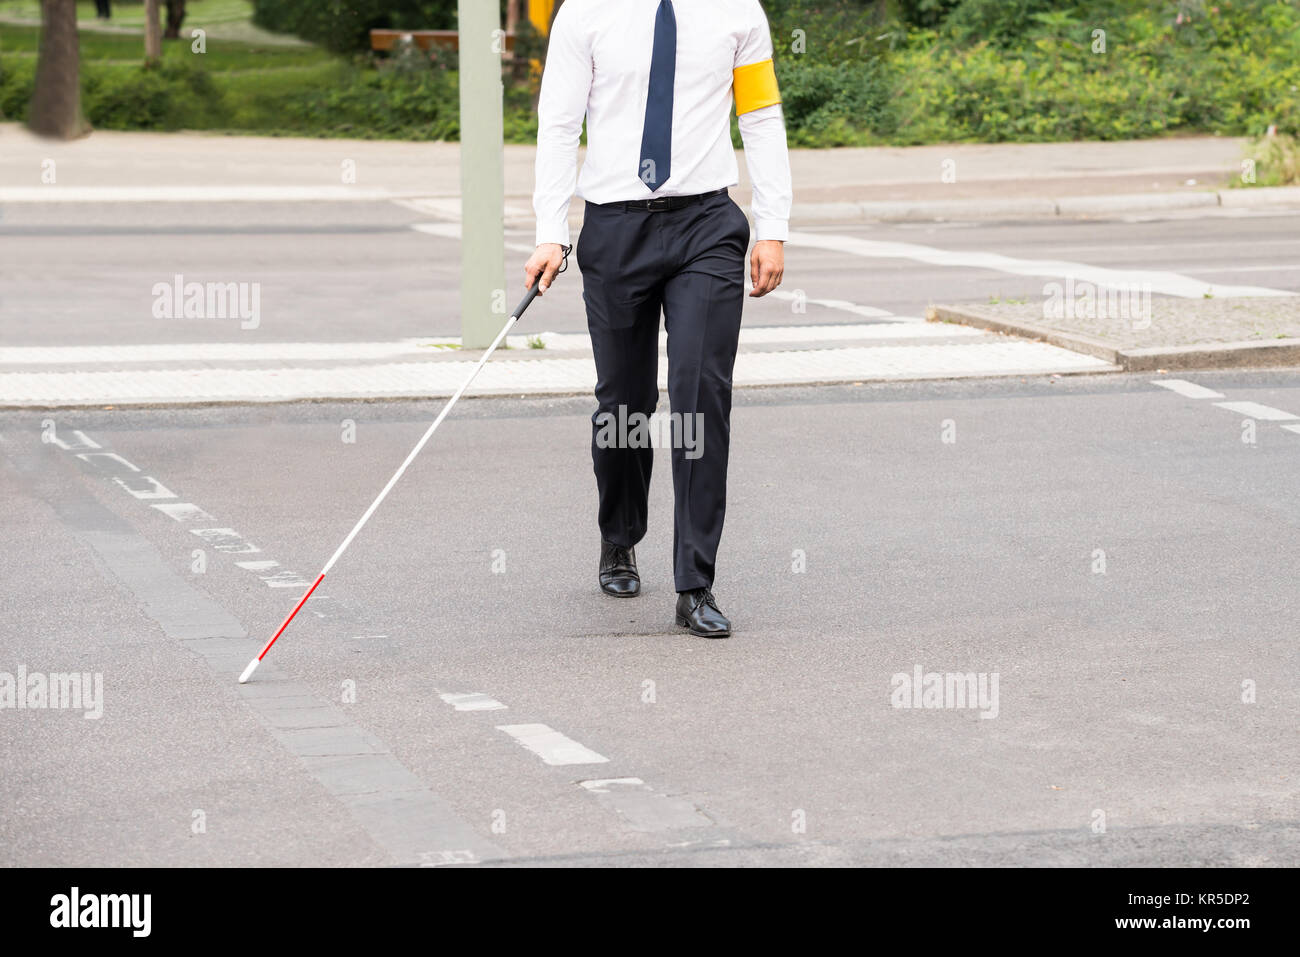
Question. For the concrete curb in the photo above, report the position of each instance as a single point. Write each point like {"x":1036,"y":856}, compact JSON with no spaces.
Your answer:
{"x":900,"y":211}
{"x":1218,"y":355}
{"x":928,"y":210}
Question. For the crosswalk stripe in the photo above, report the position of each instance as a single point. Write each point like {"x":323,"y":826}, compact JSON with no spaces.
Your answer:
{"x":984,"y":356}
{"x":1159,"y":281}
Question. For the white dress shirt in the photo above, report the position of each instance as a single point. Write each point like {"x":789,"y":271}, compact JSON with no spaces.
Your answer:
{"x":598,"y":65}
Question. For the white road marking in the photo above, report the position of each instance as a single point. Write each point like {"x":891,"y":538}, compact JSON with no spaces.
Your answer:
{"x":898,"y":327}
{"x":1292,"y":428}
{"x":87,"y":456}
{"x":221,"y":539}
{"x":871,"y":312}
{"x":471,"y":701}
{"x":551,"y":746}
{"x":284,"y":580}
{"x":604,"y":786}
{"x":644,"y":808}
{"x":1253,"y":410}
{"x":1189,"y":389}
{"x":1160,"y":281}
{"x":190,"y":194}
{"x":450,"y":207}
{"x":452,"y":231}
{"x":184,"y":512}
{"x":901,"y":329}
{"x":212,"y":352}
{"x":83,"y":441}
{"x":447,"y":858}
{"x":1278,"y":268}
{"x":154,"y":489}
{"x":225,"y":540}
{"x":983,"y":356}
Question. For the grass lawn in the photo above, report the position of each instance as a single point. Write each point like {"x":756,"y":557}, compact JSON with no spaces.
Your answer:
{"x":21,"y":41}
{"x":254,"y":84}
{"x":220,"y":19}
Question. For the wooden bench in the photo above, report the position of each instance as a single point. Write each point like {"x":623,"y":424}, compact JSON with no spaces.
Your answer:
{"x":388,"y":40}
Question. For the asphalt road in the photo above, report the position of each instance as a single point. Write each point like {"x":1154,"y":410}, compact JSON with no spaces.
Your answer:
{"x":1113,"y":552}
{"x":83,"y":274}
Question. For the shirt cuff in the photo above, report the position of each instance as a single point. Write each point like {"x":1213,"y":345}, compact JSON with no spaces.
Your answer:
{"x":778,"y":229}
{"x":553,"y":232}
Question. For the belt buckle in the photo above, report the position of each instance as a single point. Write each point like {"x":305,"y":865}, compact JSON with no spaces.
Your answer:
{"x":657,"y":204}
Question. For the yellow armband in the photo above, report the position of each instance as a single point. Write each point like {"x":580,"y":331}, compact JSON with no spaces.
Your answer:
{"x":755,"y":86}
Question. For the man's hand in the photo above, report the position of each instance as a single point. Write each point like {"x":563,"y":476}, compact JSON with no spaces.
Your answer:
{"x":544,"y":262}
{"x":766,"y":266}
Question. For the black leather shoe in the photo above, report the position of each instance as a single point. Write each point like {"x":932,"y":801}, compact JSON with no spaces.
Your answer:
{"x":618,"y":575}
{"x":697,"y":611}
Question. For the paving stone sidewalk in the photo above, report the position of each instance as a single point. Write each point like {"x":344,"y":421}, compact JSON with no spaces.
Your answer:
{"x":1155,"y":332}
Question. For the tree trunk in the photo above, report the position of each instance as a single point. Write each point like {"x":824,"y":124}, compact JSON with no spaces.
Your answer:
{"x":175,"y":17}
{"x":56,"y":100}
{"x":152,"y":33}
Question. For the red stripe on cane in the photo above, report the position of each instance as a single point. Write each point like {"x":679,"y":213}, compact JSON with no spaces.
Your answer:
{"x":301,"y":601}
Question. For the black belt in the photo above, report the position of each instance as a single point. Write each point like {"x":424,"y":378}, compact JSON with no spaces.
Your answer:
{"x":663,"y":203}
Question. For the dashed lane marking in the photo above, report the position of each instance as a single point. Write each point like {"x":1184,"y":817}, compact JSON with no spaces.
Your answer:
{"x":83,"y":441}
{"x":152,"y":488}
{"x":630,"y":798}
{"x":471,"y":701}
{"x":1251,"y":410}
{"x":551,"y":746}
{"x":411,"y":823}
{"x":145,"y":488}
{"x":184,"y":512}
{"x":644,"y":808}
{"x":1187,"y":389}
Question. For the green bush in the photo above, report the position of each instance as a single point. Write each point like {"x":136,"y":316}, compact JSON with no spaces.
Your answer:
{"x":925,"y":13}
{"x":1233,"y":72}
{"x":169,"y":97}
{"x":1000,"y":22}
{"x":17,"y":80}
{"x":376,"y":104}
{"x":828,"y":104}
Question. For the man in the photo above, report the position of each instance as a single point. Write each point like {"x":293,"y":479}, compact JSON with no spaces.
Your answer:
{"x":654,"y":79}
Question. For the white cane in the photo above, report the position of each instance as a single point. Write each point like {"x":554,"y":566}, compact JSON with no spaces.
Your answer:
{"x":514,"y":317}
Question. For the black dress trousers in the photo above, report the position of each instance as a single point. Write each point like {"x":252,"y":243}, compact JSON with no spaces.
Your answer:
{"x":688,"y":263}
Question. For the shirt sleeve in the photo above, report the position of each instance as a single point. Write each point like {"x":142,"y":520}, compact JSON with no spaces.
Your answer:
{"x":561,"y":106}
{"x":763,"y":133}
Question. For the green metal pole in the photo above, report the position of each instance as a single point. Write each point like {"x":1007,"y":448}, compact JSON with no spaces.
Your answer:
{"x":483,"y":307}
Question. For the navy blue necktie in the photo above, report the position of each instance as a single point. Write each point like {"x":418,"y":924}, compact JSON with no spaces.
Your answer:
{"x":657,"y":134}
